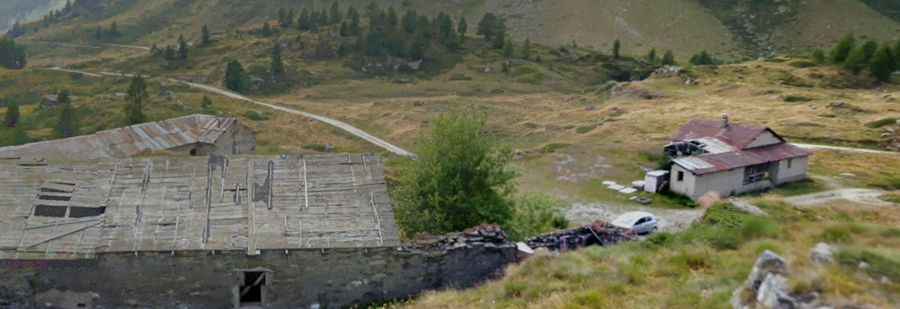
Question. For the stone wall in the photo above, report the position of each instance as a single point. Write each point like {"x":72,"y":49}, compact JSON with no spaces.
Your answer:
{"x":331,"y":278}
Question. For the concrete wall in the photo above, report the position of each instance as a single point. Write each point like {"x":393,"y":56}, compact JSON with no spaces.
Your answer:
{"x":797,"y":171}
{"x":332,"y":278}
{"x":685,"y":186}
{"x":725,"y":183}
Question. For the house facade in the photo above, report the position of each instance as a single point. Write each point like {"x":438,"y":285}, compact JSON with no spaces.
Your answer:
{"x":729,"y":159}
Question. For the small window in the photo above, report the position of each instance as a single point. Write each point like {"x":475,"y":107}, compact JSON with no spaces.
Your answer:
{"x":790,"y":162}
{"x":680,"y":175}
{"x":49,"y":211}
{"x":84,"y":212}
{"x":194,"y":152}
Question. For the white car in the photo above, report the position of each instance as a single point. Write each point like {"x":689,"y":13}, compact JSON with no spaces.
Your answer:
{"x":638,"y":221}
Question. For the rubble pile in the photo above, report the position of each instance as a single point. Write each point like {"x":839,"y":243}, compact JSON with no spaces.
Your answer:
{"x":599,"y":233}
{"x":485,"y":235}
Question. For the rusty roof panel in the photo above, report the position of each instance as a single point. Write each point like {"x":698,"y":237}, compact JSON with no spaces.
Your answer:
{"x":129,"y":141}
{"x":730,"y":160}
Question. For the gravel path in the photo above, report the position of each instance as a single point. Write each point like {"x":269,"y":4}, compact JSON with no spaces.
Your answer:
{"x":847,"y":149}
{"x":670,"y":220}
{"x":862,"y":196}
{"x":330,"y":121}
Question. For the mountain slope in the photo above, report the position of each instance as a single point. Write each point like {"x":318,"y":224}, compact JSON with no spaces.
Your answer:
{"x":25,"y":10}
{"x":731,"y":28}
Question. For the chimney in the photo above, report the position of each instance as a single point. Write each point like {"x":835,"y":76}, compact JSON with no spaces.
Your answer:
{"x":725,"y":123}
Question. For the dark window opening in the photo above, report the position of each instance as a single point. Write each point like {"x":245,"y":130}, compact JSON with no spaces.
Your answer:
{"x":251,"y":288}
{"x":680,"y":176}
{"x":756,"y":173}
{"x":83,"y":212}
{"x":63,"y":198}
{"x":49,"y":211}
{"x":789,"y":163}
{"x":194,"y":152}
{"x":50,"y":190}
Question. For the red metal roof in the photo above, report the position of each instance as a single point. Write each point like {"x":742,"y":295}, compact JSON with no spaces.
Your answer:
{"x":736,"y":135}
{"x":730,"y":160}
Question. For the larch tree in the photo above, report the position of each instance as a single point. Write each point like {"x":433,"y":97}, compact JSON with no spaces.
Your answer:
{"x":137,"y":96}
{"x":12,"y":115}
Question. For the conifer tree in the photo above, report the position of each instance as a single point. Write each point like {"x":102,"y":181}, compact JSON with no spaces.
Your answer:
{"x":282,"y":17}
{"x":462,"y":28}
{"x":818,"y":56}
{"x":668,"y":58}
{"x":508,"y":49}
{"x":392,"y":19}
{"x":114,"y":29}
{"x":616,"y":49}
{"x":842,"y":49}
{"x":266,"y":30}
{"x":882,"y":64}
{"x":303,"y":24}
{"x":12,"y":56}
{"x":856,"y":61}
{"x":205,"y":36}
{"x":234,"y":76}
{"x":651,"y":56}
{"x":896,"y":51}
{"x":67,"y":125}
{"x":182,"y":48}
{"x":526,"y":49}
{"x":277,"y":66}
{"x":409,"y":21}
{"x":355,"y":27}
{"x":98,"y":34}
{"x":137,"y":96}
{"x":336,"y":16}
{"x":12,"y":115}
{"x":500,"y":33}
{"x":487,"y":27}
{"x":345,"y":29}
{"x":289,"y":19}
{"x":869,"y":49}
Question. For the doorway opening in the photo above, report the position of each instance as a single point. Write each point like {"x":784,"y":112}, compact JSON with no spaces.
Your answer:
{"x":252,"y":288}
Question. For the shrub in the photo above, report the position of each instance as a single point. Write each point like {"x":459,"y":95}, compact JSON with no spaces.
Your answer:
{"x":836,"y":234}
{"x":661,"y":239}
{"x":802,"y":64}
{"x":535,"y":214}
{"x":797,"y":98}
{"x":882,"y":122}
{"x":584,"y":129}
{"x":460,"y":179}
{"x":257,"y":116}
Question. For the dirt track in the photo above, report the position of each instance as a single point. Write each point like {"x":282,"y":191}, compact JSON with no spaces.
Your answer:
{"x":330,"y":121}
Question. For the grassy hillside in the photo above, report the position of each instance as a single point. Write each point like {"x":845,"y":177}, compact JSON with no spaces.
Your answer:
{"x":732,"y":29}
{"x":24,"y":10}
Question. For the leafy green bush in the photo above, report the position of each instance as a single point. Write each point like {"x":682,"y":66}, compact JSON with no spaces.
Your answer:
{"x":535,"y":214}
{"x":460,"y":179}
{"x":882,"y":122}
{"x":257,"y":116}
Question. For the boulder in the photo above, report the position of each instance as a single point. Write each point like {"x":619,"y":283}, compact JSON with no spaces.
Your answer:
{"x":822,"y":253}
{"x":764,"y":283}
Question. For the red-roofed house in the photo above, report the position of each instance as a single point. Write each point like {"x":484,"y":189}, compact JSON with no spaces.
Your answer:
{"x":728,"y":159}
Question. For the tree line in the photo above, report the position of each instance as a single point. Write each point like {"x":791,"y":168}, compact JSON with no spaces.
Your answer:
{"x":12,"y":56}
{"x":856,"y":56}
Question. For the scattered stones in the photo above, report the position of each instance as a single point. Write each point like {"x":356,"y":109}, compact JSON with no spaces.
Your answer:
{"x":766,"y":284}
{"x":822,"y":253}
{"x":667,"y":72}
{"x":632,"y":90}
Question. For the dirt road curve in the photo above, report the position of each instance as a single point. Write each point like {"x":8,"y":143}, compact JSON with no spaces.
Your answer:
{"x":333,"y":122}
{"x":862,"y":196}
{"x":847,"y":149}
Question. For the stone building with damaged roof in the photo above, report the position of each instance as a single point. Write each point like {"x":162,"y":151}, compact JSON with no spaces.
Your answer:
{"x":726,"y":159}
{"x":218,"y":232}
{"x":196,"y":135}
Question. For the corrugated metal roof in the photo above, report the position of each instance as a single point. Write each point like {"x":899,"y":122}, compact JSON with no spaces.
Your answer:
{"x":736,"y":135}
{"x":710,"y":163}
{"x":130,"y":141}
